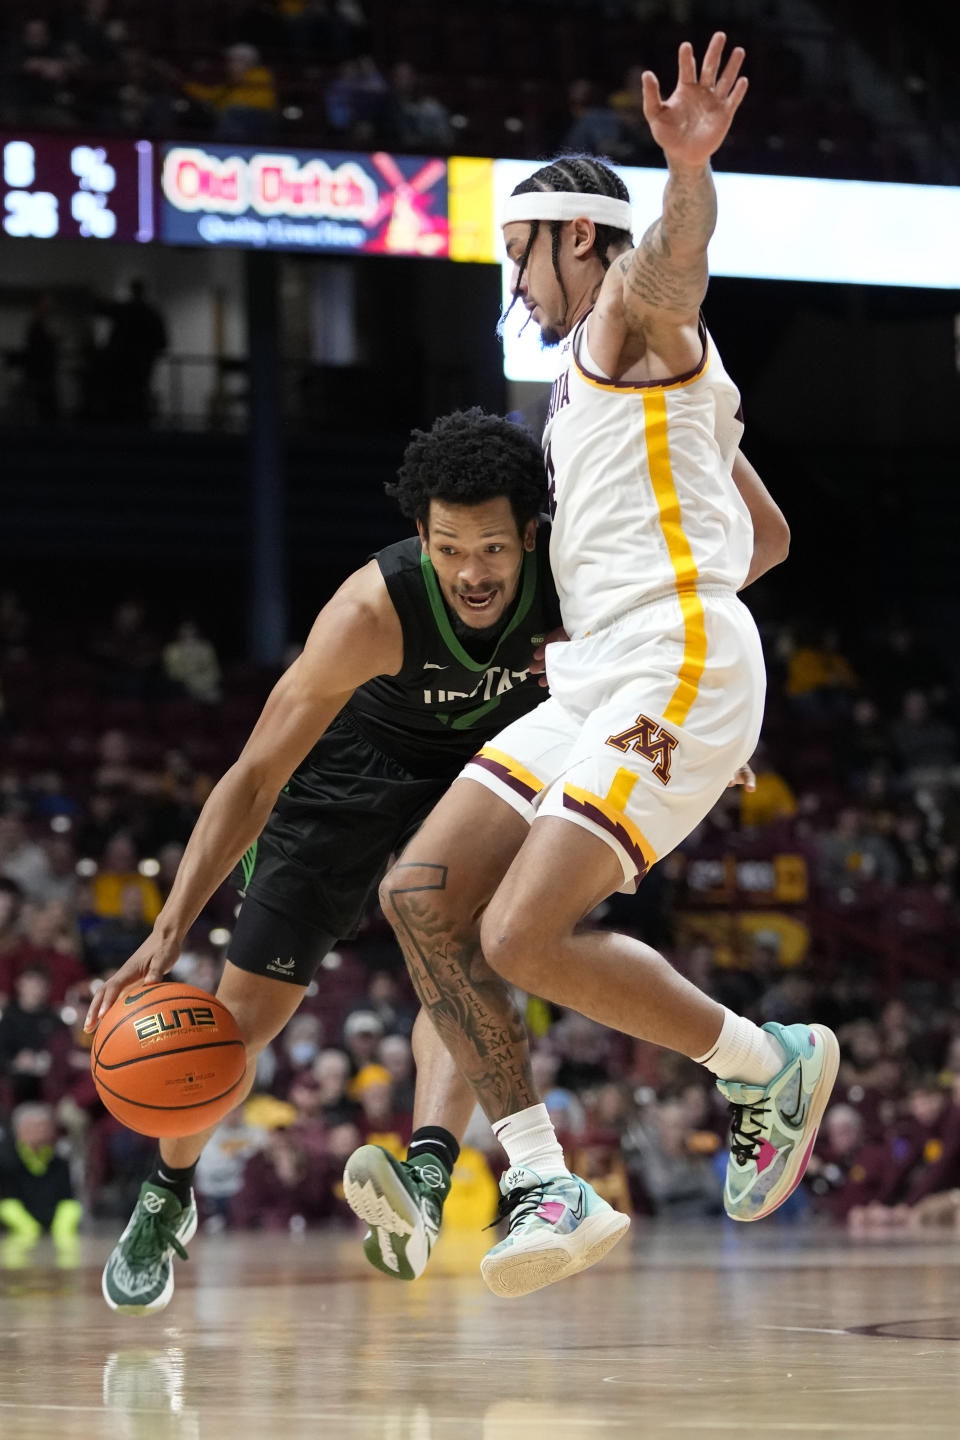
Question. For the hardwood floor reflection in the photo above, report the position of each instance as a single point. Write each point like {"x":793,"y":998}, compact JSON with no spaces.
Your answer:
{"x":754,"y":1332}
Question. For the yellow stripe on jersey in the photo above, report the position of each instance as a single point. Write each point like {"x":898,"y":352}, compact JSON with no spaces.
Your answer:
{"x":681,"y":558}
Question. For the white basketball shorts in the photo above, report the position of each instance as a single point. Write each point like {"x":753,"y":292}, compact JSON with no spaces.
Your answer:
{"x":647,"y":721}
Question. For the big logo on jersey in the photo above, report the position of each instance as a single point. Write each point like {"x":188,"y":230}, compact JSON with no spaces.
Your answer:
{"x":494,"y":682}
{"x":651,"y":741}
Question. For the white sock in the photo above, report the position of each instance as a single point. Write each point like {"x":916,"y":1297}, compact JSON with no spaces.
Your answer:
{"x":742,"y":1051}
{"x":531,"y":1141}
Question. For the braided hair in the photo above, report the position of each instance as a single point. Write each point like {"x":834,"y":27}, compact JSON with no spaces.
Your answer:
{"x":576,"y":175}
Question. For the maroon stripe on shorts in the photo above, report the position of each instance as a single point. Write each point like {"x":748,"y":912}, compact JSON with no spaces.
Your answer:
{"x":502,"y":772}
{"x":617,"y":831}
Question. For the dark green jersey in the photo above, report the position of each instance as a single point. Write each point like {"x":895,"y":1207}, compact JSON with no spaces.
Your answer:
{"x":444,"y":704}
{"x":381,"y":766}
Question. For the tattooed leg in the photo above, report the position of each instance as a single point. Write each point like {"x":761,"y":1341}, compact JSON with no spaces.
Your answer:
{"x":470,"y":1007}
{"x":433,"y":898}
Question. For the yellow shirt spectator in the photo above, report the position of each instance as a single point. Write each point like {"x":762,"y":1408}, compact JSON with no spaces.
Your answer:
{"x":812,"y":669}
{"x":108,"y":891}
{"x":771,"y":800}
{"x":248,"y":84}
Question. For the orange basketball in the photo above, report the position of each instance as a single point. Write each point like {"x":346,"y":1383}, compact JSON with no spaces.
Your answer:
{"x":168,"y":1059}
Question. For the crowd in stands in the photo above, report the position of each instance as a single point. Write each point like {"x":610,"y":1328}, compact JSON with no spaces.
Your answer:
{"x":526,"y":78}
{"x":829,"y":892}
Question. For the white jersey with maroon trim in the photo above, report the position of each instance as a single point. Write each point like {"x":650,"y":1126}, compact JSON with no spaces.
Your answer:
{"x":641,"y":492}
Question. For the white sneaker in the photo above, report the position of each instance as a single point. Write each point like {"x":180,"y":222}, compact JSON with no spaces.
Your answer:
{"x":557,"y":1228}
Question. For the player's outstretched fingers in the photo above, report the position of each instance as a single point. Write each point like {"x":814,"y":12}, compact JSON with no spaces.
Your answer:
{"x":652,"y":99}
{"x":687,"y":64}
{"x":730,"y":72}
{"x":711,"y":60}
{"x":100,"y":1004}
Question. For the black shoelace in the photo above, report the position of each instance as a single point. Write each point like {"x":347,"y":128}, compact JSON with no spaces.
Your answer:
{"x":745,"y":1143}
{"x":517,"y":1204}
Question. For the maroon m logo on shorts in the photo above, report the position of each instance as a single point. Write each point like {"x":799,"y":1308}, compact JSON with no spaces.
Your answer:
{"x":651,"y":741}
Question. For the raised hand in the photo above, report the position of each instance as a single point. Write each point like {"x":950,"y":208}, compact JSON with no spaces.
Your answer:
{"x":692,"y":124}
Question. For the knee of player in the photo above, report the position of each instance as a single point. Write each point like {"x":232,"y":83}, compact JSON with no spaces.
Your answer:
{"x":385,"y":893}
{"x":414,"y":891}
{"x":511,"y":945}
{"x":256,"y":1030}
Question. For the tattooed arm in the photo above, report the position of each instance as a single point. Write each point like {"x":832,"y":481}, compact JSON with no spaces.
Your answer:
{"x":657,"y":289}
{"x":668,"y":270}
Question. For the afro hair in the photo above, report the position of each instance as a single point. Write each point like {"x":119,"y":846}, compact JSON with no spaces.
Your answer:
{"x":468,"y":457}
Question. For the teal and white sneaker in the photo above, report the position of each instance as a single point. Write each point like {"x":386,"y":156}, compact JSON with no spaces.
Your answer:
{"x":138,"y":1275}
{"x":402,"y":1202}
{"x":557,"y":1228}
{"x":774,"y":1127}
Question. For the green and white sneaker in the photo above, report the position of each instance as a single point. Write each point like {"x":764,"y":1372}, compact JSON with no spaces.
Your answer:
{"x":557,"y":1228}
{"x":402,"y":1202}
{"x":774,"y":1127}
{"x":138,"y":1275}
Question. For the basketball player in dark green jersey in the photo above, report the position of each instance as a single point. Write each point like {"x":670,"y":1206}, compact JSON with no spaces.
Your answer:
{"x":418,"y":659}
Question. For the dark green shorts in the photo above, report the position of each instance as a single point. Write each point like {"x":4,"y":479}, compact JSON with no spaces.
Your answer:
{"x":347,"y":811}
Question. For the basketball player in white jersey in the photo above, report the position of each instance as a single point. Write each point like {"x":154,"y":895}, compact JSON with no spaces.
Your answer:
{"x":656,"y":700}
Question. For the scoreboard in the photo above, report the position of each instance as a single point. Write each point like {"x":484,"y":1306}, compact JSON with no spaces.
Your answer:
{"x":236,"y":195}
{"x":63,"y":186}
{"x":96,"y":189}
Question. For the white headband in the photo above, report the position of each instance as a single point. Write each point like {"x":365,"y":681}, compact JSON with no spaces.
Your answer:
{"x":567,"y":205}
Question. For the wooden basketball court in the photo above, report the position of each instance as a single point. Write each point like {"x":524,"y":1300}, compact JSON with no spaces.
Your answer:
{"x":719,"y":1331}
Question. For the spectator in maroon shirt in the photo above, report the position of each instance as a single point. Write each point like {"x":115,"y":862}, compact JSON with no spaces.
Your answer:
{"x":306,"y":1097}
{"x":898,"y":1164}
{"x":11,"y":901}
{"x":933,"y":1195}
{"x":844,"y":1171}
{"x":284,"y":1186}
{"x":940,"y":1168}
{"x":373,"y":1088}
{"x":48,"y":945}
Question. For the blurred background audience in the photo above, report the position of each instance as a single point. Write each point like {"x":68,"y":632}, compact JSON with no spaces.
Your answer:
{"x":831,"y":889}
{"x":842,"y":92}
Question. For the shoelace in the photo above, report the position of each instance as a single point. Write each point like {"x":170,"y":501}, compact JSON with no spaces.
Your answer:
{"x":152,"y":1236}
{"x":518,"y":1205}
{"x":745,"y":1143}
